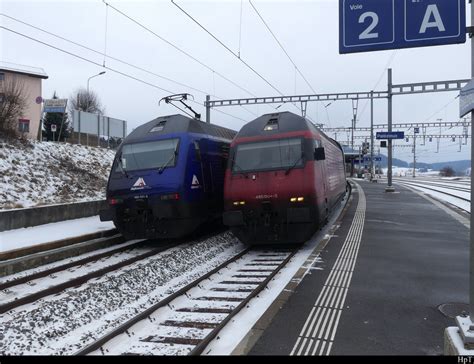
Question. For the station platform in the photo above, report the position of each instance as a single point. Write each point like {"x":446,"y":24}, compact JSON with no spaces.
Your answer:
{"x":390,"y":280}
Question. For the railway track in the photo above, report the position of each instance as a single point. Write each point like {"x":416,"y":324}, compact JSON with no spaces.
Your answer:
{"x":21,"y":291}
{"x":185,"y":322}
{"x":458,"y":201}
{"x":454,"y":186}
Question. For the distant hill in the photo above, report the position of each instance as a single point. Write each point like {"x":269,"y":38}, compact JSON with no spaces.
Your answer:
{"x":458,"y":166}
{"x":395,"y":162}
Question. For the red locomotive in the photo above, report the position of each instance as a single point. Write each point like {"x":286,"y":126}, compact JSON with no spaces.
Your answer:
{"x":283,"y":178}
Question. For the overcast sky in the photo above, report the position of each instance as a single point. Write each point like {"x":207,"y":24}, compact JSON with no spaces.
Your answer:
{"x":307,"y":29}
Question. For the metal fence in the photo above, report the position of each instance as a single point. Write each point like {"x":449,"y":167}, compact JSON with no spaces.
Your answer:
{"x":99,"y":127}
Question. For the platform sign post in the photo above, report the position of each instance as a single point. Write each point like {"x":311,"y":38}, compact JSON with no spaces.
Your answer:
{"x":471,"y":234}
{"x":389,"y":187}
{"x":371,"y":135}
{"x":466,"y":323}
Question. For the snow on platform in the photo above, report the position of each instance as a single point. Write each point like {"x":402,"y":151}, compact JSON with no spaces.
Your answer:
{"x":21,"y":238}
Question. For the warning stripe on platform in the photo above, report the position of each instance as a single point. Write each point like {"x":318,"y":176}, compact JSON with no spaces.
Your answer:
{"x":317,"y":335}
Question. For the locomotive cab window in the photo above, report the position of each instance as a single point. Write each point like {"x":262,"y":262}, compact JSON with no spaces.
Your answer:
{"x":269,"y":155}
{"x":158,"y":154}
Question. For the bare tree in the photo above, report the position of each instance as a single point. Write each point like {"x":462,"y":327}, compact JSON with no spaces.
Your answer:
{"x":12,"y":103}
{"x":87,"y":101}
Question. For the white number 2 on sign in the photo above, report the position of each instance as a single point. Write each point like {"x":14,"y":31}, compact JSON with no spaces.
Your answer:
{"x":366,"y":34}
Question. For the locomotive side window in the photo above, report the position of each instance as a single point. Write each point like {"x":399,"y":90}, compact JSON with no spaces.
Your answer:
{"x":275,"y":154}
{"x":197,"y":150}
{"x":149,"y":155}
{"x":225,"y":151}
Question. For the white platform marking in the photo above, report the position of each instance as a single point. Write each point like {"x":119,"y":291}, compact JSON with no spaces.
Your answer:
{"x":329,"y":305}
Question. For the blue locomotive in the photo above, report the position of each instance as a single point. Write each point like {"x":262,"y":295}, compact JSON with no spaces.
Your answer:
{"x":168,"y":178}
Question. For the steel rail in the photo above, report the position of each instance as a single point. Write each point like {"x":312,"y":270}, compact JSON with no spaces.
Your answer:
{"x":435,"y":190}
{"x":44,"y":273}
{"x":198,"y":349}
{"x":434,"y":184}
{"x":126,"y":325}
{"x":80,"y":280}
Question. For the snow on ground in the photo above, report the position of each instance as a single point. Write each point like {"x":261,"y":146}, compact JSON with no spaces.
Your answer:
{"x":20,"y":238}
{"x":404,"y":172}
{"x":38,"y":285}
{"x":70,"y":320}
{"x":464,"y":205}
{"x":450,"y":184}
{"x":42,"y":268}
{"x":40,"y":173}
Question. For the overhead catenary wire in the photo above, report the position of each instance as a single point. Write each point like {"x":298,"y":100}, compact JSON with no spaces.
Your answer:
{"x":98,"y":64}
{"x":103,"y":54}
{"x":281,"y":46}
{"x":227,"y":48}
{"x":232,"y":52}
{"x":387,"y":65}
{"x":115,"y":58}
{"x":178,"y":48}
{"x":105,"y":33}
{"x":240,"y":27}
{"x":441,"y":109}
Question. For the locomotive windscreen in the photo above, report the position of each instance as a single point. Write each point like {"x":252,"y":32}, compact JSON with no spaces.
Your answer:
{"x":148,"y":155}
{"x":274,"y":154}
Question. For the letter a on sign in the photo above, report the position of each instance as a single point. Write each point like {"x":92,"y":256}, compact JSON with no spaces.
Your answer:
{"x":432,"y":10}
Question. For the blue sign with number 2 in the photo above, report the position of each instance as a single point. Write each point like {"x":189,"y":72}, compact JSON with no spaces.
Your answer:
{"x":370,"y":25}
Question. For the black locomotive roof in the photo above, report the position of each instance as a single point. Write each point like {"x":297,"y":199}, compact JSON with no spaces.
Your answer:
{"x":177,"y":124}
{"x":287,"y":122}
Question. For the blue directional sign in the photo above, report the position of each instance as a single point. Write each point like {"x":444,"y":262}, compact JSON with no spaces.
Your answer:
{"x":390,"y":135}
{"x":371,"y":25}
{"x":367,"y":159}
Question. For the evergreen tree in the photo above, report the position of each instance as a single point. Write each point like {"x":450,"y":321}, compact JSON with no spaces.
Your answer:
{"x":61,"y":121}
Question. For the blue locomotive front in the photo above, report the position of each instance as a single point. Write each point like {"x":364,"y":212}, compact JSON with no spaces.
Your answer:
{"x":167,"y":178}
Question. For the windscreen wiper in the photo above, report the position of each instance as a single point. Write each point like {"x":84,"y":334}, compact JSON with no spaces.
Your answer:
{"x":294,"y":164}
{"x":234,"y":164}
{"x":174,"y":155}
{"x":124,"y":171}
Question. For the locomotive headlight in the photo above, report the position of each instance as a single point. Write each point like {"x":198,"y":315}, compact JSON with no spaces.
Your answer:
{"x":297,"y":199}
{"x":237,"y":203}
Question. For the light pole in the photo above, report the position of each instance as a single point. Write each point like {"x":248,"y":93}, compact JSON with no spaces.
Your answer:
{"x":88,"y":97}
{"x":93,"y":77}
